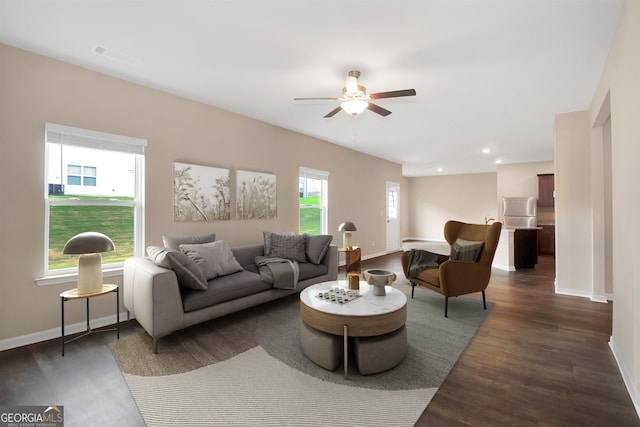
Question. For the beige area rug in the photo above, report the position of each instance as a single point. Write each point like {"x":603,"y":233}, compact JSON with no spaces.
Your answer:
{"x":255,"y":389}
{"x":247,"y":369}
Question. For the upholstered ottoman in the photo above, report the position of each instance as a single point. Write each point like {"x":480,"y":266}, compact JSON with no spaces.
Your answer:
{"x":380,"y":353}
{"x":325,"y":350}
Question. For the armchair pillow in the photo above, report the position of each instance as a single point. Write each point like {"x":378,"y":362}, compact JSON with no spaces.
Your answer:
{"x":466,"y":250}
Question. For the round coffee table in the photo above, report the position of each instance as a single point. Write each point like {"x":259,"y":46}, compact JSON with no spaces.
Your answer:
{"x":366,"y":316}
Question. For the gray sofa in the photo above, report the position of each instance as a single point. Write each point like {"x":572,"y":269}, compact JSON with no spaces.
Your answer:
{"x":161,"y":305}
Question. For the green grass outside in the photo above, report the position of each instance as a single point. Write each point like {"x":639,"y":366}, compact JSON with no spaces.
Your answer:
{"x":67,"y":221}
{"x":310,"y":217}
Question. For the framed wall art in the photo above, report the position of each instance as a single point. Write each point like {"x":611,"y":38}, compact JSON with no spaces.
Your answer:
{"x":200,"y":193}
{"x":255,"y":195}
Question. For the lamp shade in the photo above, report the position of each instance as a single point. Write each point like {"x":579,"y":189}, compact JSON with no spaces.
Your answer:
{"x":88,"y":243}
{"x":347,"y":226}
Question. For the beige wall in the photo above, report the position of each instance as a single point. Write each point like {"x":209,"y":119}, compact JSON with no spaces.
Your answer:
{"x":470,"y":198}
{"x":35,"y":89}
{"x":573,"y":204}
{"x":617,"y":95}
{"x":434,"y":200}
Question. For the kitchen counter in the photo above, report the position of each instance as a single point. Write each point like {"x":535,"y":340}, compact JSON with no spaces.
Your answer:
{"x":517,"y":248}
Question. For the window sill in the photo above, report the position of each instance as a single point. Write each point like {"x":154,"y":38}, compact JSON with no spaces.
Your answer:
{"x":73,"y":277}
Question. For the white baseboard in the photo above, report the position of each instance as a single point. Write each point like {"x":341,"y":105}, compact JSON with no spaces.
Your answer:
{"x":626,"y":376}
{"x":583,"y":294}
{"x":573,"y":292}
{"x":503,"y":267}
{"x":55,"y":332}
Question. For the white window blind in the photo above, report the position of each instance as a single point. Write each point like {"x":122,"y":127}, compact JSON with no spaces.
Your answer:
{"x":313,"y":173}
{"x":67,"y":135}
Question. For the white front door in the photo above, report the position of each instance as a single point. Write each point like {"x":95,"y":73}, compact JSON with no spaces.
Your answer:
{"x":393,"y":216}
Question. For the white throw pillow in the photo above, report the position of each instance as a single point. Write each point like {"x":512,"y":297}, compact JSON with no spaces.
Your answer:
{"x":215,"y":258}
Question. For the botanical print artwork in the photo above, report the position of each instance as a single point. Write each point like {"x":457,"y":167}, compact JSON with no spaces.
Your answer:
{"x":255,"y":195}
{"x":200,"y":193}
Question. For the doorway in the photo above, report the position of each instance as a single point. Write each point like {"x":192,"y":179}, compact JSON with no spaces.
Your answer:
{"x":393,"y":217}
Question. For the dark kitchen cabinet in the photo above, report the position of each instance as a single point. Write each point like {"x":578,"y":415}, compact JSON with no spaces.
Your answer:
{"x":525,"y":245}
{"x":545,"y":190}
{"x":547,"y":240}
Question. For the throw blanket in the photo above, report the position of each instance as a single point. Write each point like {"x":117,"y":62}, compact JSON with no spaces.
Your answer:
{"x":420,"y":260}
{"x":282,"y":272}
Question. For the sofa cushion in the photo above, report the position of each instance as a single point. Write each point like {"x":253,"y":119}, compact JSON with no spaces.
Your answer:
{"x":316,"y":247}
{"x":466,"y":250}
{"x":189,"y":274}
{"x":308,"y":270}
{"x":288,"y":246}
{"x":224,"y":288}
{"x":174,"y":242}
{"x":215,"y":258}
{"x":246,"y":256}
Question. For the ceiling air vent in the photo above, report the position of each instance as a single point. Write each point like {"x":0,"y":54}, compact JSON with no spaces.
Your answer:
{"x":114,"y":55}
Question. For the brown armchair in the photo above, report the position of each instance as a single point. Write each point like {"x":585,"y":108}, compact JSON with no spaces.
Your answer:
{"x":452,"y":277}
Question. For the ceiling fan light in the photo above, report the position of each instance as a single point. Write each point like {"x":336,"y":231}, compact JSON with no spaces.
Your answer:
{"x":354,"y":106}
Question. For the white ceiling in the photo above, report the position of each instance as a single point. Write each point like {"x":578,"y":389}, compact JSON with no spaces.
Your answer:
{"x":488,"y":73}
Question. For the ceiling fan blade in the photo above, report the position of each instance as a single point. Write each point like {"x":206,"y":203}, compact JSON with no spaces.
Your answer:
{"x":333,"y":112}
{"x":313,"y":99}
{"x":393,"y":94}
{"x":377,"y":109}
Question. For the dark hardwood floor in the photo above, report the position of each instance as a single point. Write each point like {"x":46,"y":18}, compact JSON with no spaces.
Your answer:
{"x":538,"y":359}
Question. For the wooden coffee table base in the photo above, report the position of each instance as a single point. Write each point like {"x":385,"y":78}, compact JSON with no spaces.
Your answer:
{"x":354,"y":325}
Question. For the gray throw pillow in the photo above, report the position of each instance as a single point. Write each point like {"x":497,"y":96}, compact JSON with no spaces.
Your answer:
{"x":466,"y":250}
{"x":189,"y":274}
{"x":316,"y":247}
{"x":215,"y":258}
{"x":158,"y":255}
{"x":288,"y":246}
{"x":174,"y":242}
{"x":267,"y":239}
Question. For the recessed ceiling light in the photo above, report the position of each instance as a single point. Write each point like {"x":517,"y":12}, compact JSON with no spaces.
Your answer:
{"x":486,"y":150}
{"x":498,"y":161}
{"x":439,"y":169}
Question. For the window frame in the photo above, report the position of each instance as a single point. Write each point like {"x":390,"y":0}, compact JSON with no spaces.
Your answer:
{"x":308,"y":173}
{"x":67,"y":135}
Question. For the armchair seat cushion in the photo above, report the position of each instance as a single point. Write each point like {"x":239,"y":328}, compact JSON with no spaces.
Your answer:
{"x":431,"y":276}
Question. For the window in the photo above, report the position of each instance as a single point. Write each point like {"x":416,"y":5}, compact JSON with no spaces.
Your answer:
{"x":76,"y":201}
{"x":81,"y":175}
{"x":313,"y":201}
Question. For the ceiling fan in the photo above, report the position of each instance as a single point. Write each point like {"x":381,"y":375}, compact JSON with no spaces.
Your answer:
{"x":355,"y":98}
